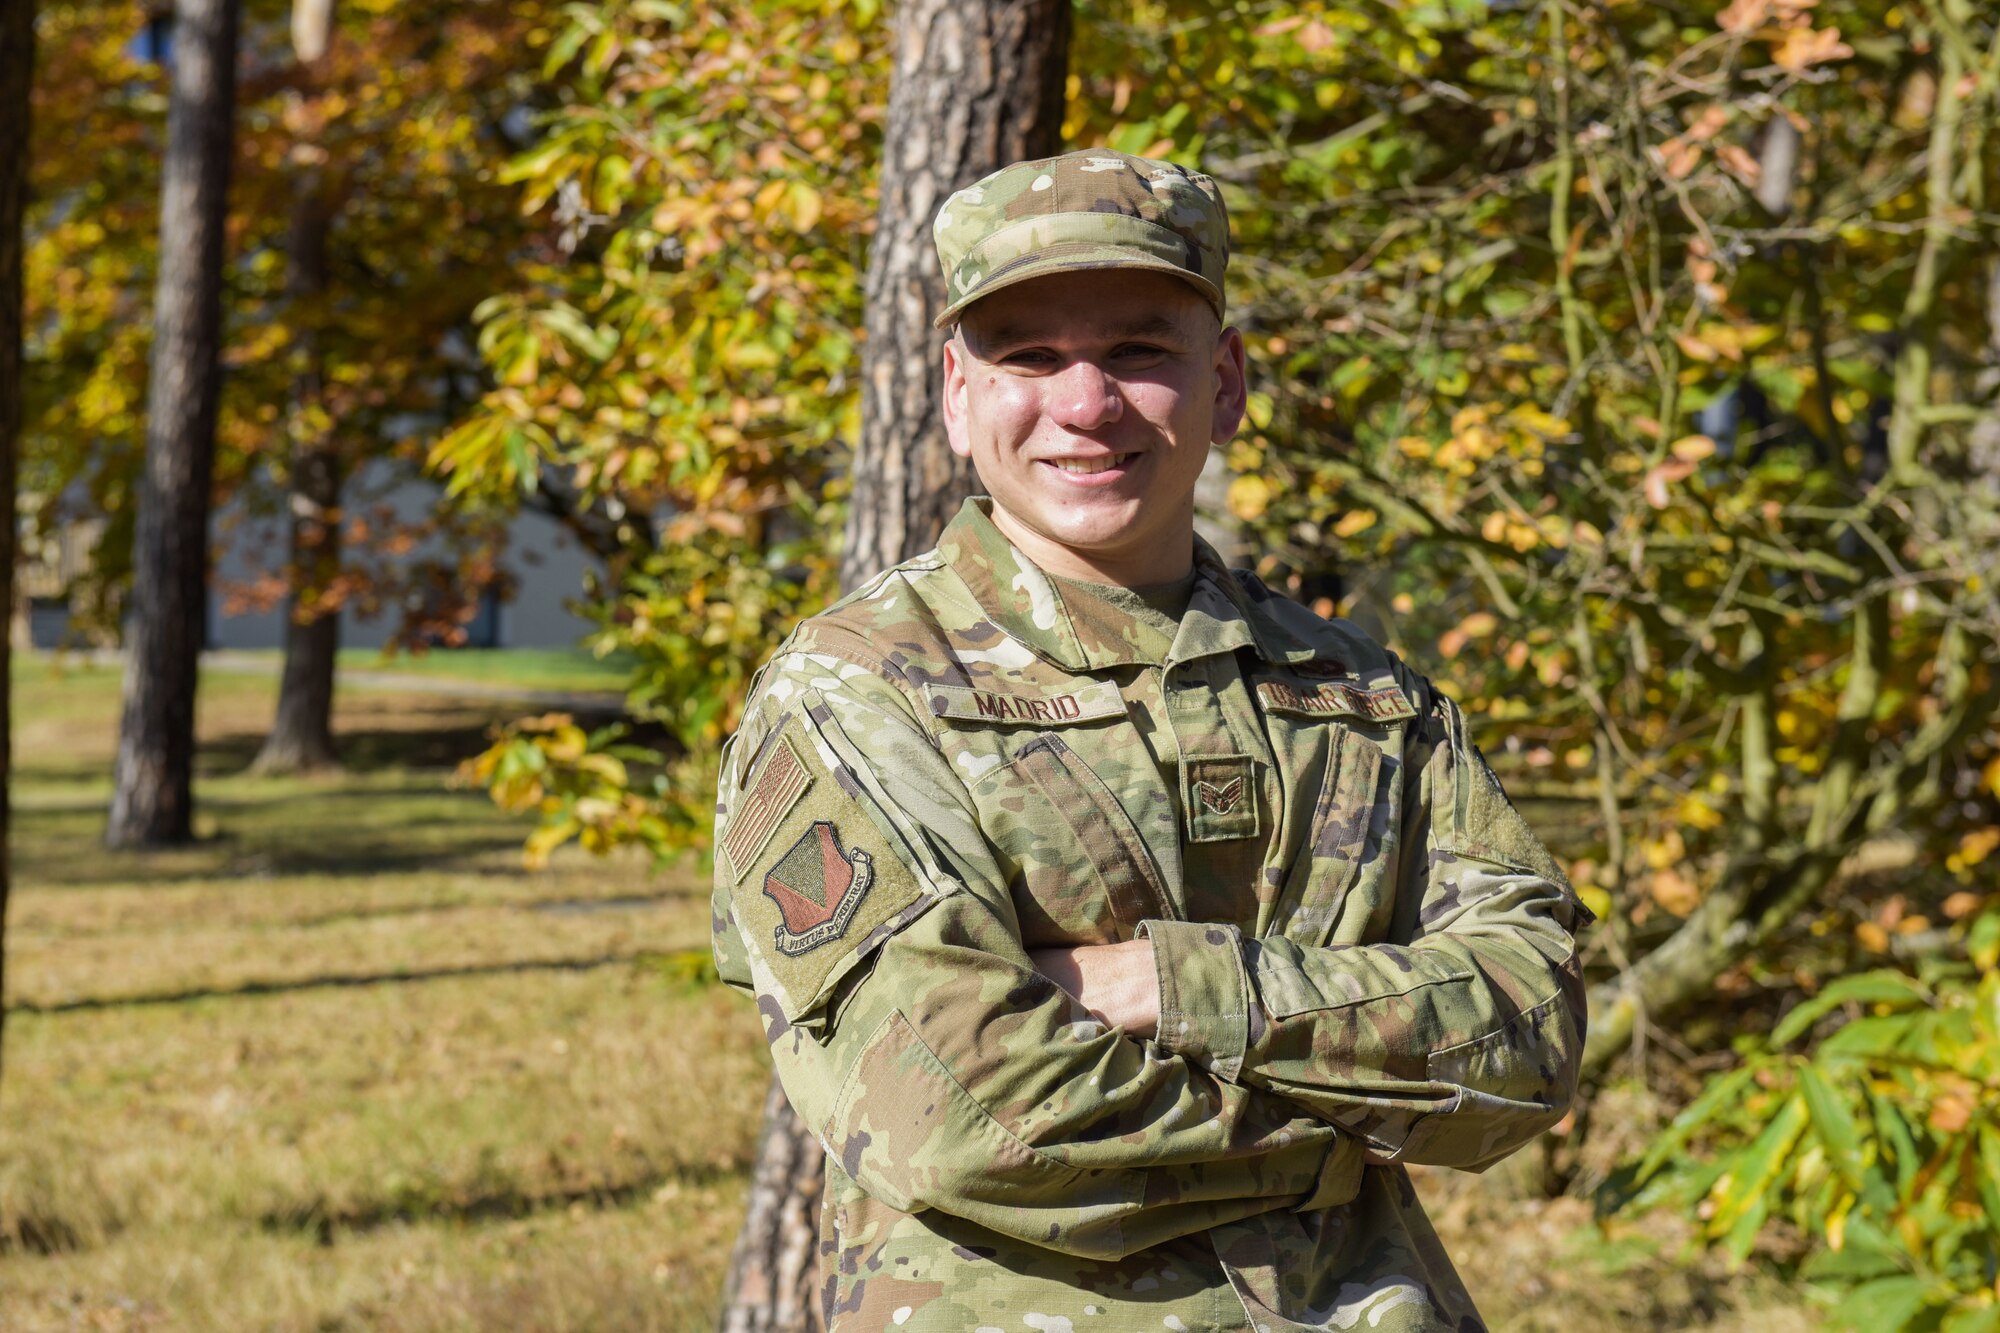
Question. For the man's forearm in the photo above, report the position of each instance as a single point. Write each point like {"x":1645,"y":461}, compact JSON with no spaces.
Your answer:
{"x":1117,"y":982}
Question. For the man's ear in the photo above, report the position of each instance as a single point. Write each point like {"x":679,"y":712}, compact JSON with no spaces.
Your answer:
{"x":1232,"y":387}
{"x":953,"y":400}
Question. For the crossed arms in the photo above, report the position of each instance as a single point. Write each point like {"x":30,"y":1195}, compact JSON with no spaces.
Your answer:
{"x":945,"y":1066}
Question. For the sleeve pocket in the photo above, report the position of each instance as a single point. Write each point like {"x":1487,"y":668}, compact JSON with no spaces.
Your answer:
{"x":906,"y":1132}
{"x":1288,"y":991}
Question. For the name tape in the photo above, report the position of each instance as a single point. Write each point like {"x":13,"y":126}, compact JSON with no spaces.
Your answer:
{"x":1335,"y":700}
{"x":1087,"y":703}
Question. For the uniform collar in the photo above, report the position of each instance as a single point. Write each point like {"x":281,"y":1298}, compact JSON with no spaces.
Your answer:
{"x":1027,"y":605}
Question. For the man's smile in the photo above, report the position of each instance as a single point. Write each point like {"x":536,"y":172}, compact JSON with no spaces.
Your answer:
{"x":1093,"y":470}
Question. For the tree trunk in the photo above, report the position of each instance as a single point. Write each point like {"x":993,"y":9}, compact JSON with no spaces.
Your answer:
{"x":773,"y":1284}
{"x":976,"y":84}
{"x":17,"y":64}
{"x":302,"y":732}
{"x":152,"y":801}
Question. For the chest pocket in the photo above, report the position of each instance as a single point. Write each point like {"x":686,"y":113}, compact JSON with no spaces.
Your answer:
{"x":1082,"y":874}
{"x":1355,"y":815}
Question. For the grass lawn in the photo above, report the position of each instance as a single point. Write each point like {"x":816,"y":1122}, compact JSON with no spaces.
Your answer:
{"x":490,"y":671}
{"x":346,"y":1065}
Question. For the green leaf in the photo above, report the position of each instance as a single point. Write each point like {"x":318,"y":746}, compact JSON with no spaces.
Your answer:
{"x":564,"y":48}
{"x":1989,"y":1173}
{"x":1884,"y":1304}
{"x":1721,"y":1093}
{"x":1839,"y":1134}
{"x":1899,"y":1145}
{"x":1867,"y":1254}
{"x":1879,"y":987}
{"x":1972,"y":1319}
{"x":1880,"y":1035}
{"x":595,"y":343}
{"x":1983,"y":940}
{"x":1755,"y":1171}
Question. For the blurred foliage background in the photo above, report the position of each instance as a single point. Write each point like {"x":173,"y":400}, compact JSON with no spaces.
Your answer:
{"x":1629,"y":367}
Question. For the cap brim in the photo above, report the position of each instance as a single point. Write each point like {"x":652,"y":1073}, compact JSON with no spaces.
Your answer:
{"x":1041,"y":268}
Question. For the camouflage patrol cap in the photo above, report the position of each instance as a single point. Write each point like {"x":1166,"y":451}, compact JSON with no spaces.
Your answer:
{"x":1088,"y":209}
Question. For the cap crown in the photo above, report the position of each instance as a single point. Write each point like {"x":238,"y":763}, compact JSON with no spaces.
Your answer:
{"x":1089,"y":209}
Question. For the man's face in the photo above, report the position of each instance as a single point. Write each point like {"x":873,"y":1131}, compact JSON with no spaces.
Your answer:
{"x":1088,"y":401}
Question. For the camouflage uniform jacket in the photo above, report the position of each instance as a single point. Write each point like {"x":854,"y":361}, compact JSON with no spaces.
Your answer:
{"x":1365,"y":958}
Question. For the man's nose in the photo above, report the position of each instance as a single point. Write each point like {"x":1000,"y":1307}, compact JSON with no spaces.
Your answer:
{"x":1083,"y":397}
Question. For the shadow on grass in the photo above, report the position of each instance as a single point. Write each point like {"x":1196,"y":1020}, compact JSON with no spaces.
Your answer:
{"x":503,"y":1204}
{"x":438,"y":734}
{"x":356,"y":825}
{"x":450,"y":738}
{"x":46,"y":1231}
{"x":667,"y":962}
{"x":251,"y":859}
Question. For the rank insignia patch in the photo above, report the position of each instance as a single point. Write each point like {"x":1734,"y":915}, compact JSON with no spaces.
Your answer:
{"x":1219,"y":794}
{"x":817,"y":885}
{"x":1220,"y":798}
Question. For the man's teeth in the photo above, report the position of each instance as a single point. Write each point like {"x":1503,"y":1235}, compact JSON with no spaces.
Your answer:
{"x":1086,"y":466}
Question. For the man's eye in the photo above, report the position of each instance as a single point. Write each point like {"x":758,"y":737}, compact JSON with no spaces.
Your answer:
{"x":1131,"y":350}
{"x":1027,"y":358}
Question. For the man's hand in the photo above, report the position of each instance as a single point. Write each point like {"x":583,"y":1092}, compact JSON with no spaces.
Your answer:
{"x":1116,"y":982}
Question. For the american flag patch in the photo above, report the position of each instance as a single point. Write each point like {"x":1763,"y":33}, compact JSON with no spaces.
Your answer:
{"x":776,"y":791}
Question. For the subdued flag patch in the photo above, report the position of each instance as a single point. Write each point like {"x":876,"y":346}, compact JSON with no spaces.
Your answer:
{"x":817,"y":886}
{"x":777,"y":789}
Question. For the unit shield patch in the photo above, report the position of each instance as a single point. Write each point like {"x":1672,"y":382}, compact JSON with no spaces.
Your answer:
{"x":818,"y":885}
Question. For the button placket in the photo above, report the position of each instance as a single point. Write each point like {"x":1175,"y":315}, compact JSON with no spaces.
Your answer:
{"x":1220,"y":800}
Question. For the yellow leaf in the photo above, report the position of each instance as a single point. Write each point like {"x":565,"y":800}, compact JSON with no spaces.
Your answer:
{"x":1692,"y":448}
{"x":566,"y":744}
{"x":1741,"y":18}
{"x":1479,"y":624}
{"x":1961,"y":905}
{"x":1977,"y":845}
{"x":1836,"y":1221}
{"x":1697,"y":813}
{"x":1663,"y":476}
{"x":1803,"y":48}
{"x":1674,"y":891}
{"x":1249,"y":497}
{"x":1596,"y":899}
{"x":1315,"y":37}
{"x":802,"y":206}
{"x":1664,"y":851}
{"x":1695,"y":348}
{"x":1354,"y":521}
{"x":545,"y":840}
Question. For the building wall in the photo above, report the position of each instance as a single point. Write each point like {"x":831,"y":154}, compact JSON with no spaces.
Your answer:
{"x":547,"y":565}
